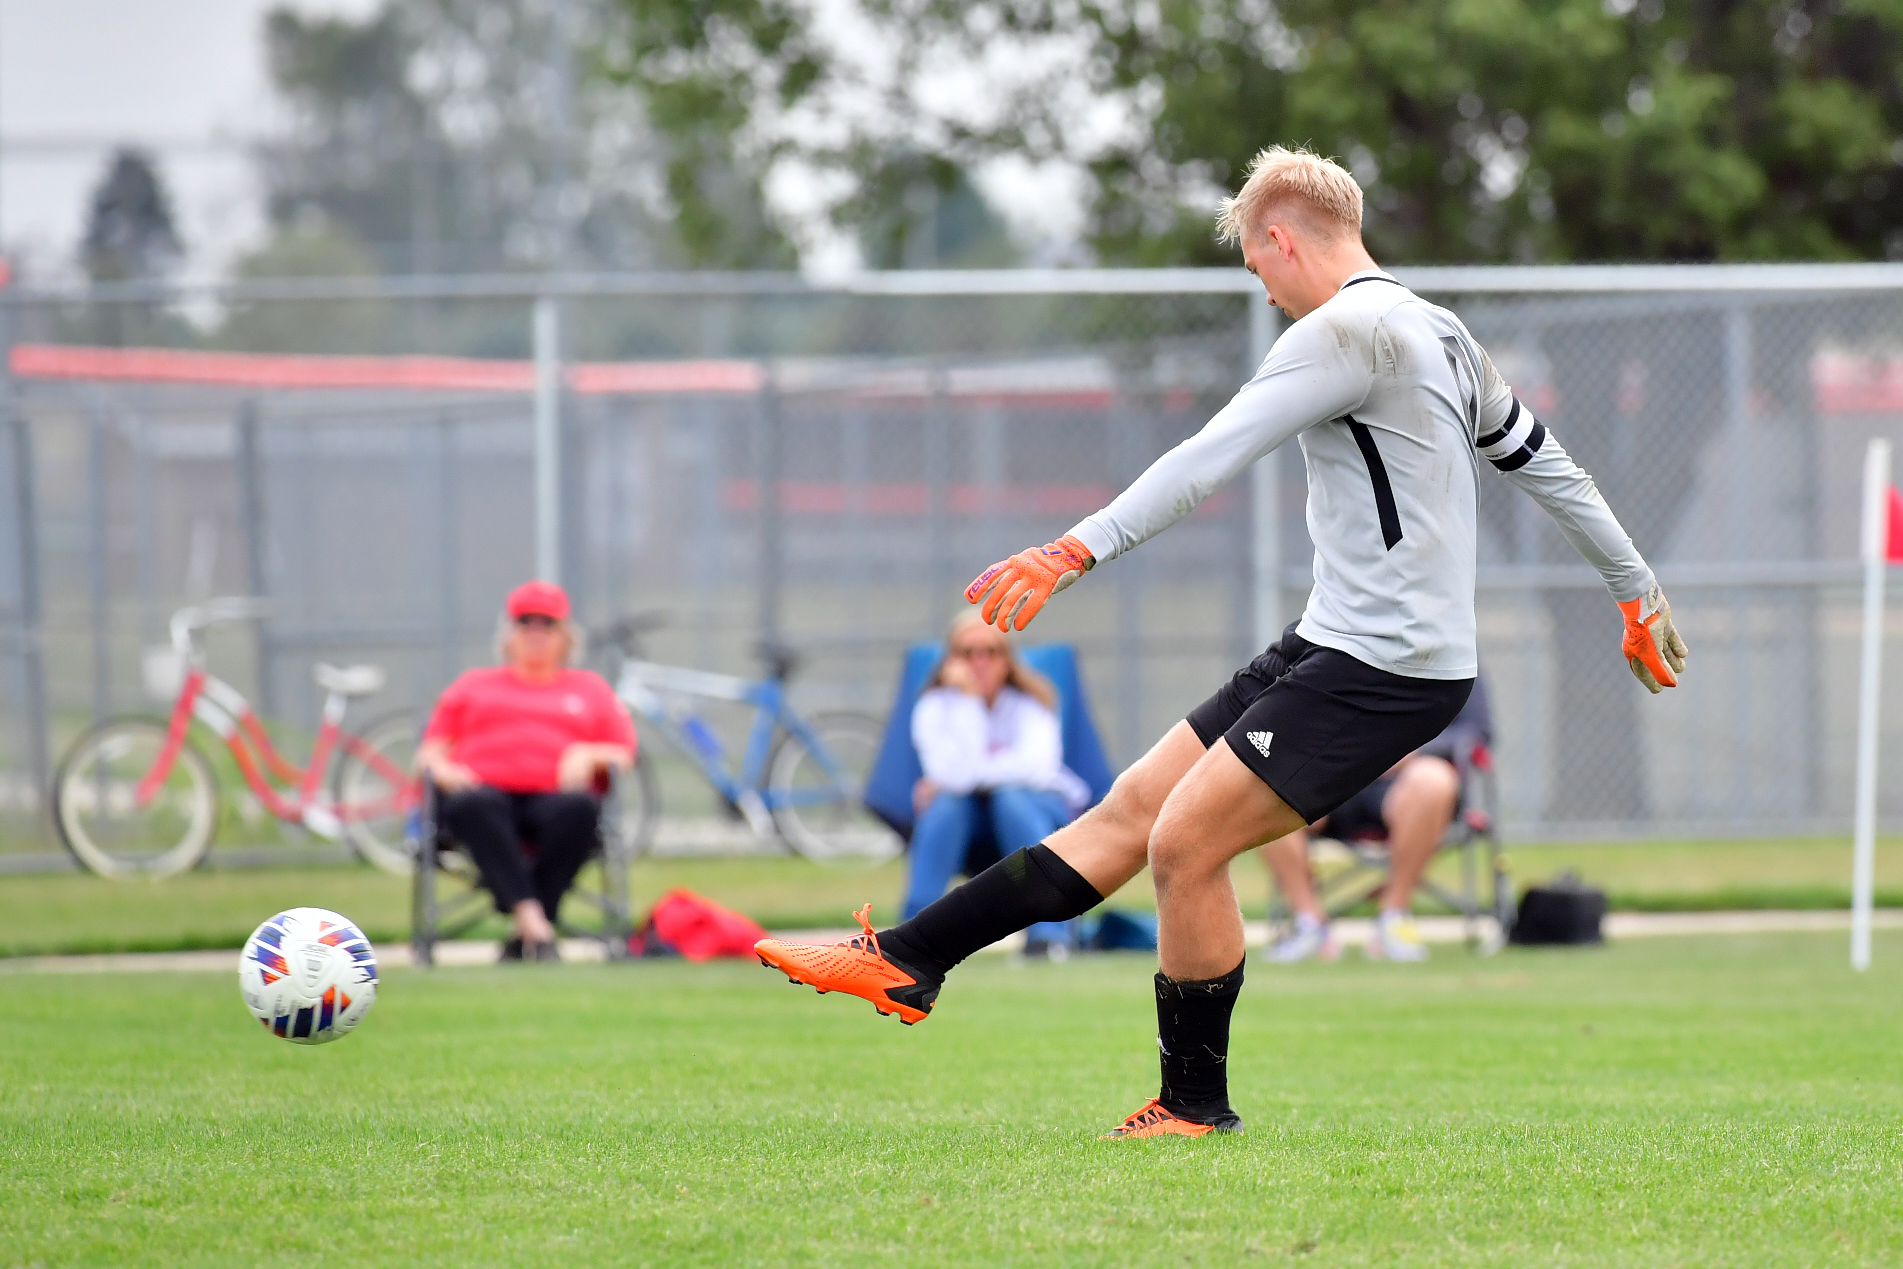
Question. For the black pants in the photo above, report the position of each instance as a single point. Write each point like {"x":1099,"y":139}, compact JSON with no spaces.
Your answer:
{"x":492,"y":824}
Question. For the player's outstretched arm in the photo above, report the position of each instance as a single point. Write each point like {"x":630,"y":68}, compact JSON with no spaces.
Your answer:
{"x":1531,"y":457}
{"x":1307,"y":378}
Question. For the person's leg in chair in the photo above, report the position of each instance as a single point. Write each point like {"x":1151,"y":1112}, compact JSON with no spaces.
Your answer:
{"x":1287,"y":861}
{"x":482,"y":819}
{"x":940,"y":839}
{"x":1418,"y":807}
{"x":565,"y":828}
{"x":1021,"y":818}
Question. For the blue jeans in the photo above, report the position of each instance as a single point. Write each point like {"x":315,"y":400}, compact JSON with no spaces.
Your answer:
{"x":1020,"y":818}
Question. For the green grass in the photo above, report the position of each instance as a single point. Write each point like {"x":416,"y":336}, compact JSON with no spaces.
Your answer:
{"x":1716,"y":1101}
{"x":68,"y":912}
{"x":77,"y":912}
{"x":1717,"y":875}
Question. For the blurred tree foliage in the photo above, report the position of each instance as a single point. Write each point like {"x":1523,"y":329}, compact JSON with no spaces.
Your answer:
{"x":429,"y":132}
{"x":923,"y":211}
{"x":1520,"y":129}
{"x":1481,"y":129}
{"x":748,"y":85}
{"x":700,"y":68}
{"x":130,"y":236}
{"x":129,"y":230}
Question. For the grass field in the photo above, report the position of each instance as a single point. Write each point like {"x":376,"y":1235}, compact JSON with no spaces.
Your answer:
{"x":1714,"y":1101}
{"x":66,"y":912}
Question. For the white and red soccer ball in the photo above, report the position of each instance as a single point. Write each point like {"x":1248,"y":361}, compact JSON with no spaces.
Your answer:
{"x":308,"y":975}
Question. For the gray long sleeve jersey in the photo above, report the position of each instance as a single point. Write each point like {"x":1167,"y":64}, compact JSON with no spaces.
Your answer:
{"x":1395,"y":405}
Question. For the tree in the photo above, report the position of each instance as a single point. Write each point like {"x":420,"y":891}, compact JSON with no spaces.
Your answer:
{"x":431,"y":131}
{"x":1515,"y":129}
{"x":1481,"y":129}
{"x":129,"y":230}
{"x":746,"y":90}
{"x":912,"y":211}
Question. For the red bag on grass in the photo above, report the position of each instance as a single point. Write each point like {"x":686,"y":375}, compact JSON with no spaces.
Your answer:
{"x":681,"y":923}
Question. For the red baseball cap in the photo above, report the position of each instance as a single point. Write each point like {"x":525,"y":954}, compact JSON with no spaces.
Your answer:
{"x":538,"y":599}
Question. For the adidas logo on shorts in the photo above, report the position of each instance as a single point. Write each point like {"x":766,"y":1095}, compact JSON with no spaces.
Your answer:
{"x":1261,"y":739}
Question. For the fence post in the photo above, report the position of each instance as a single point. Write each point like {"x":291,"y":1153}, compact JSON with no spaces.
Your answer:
{"x":1874,"y":539}
{"x":1738,"y":438}
{"x":252,"y":525}
{"x":772,"y":551}
{"x":1127,"y":451}
{"x":449,"y":558}
{"x":548,"y":438}
{"x":97,"y":561}
{"x":938,"y":498}
{"x":1265,"y":495}
{"x":710,"y":524}
{"x":32,"y":643}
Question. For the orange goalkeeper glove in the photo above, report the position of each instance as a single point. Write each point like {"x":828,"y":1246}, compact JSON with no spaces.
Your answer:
{"x":1019,"y":586}
{"x":1652,"y":646}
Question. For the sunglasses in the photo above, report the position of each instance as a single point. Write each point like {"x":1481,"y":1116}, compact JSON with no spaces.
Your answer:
{"x":536,"y":621}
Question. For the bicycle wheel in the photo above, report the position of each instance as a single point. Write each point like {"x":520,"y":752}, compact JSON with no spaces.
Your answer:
{"x":376,"y":794}
{"x":817,"y":799}
{"x":97,"y":810}
{"x":634,"y":809}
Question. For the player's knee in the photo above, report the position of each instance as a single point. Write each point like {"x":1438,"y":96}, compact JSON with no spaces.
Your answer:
{"x":1177,"y":853}
{"x":1129,"y":806}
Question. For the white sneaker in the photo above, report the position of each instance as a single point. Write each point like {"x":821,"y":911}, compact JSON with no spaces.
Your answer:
{"x":1395,"y":938}
{"x":1311,"y":940}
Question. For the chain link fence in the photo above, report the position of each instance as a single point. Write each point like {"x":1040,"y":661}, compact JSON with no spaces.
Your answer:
{"x":759,"y":457}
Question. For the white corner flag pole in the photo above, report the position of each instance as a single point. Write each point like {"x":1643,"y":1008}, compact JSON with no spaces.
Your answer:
{"x":1876,"y":524}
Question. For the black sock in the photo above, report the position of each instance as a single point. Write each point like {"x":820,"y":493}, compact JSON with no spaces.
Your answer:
{"x":1020,"y":890}
{"x":1192,"y":1030}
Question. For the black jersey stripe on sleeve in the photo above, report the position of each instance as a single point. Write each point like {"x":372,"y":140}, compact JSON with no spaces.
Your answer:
{"x":1523,"y":455}
{"x":1494,"y":438}
{"x":1377,"y":475}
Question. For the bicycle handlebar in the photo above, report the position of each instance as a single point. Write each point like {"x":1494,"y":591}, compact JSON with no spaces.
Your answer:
{"x":625,"y":632}
{"x":188,"y":621}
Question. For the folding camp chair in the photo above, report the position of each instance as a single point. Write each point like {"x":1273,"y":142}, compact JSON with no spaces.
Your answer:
{"x":889,"y":788}
{"x":1349,"y":873}
{"x":448,"y":898}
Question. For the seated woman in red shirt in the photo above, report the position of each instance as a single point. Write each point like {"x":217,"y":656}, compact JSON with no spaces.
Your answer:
{"x":516,"y":750}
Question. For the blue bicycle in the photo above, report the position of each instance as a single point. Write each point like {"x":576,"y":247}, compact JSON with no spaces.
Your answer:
{"x":799,"y":781}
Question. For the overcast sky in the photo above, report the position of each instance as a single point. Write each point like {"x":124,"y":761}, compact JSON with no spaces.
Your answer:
{"x":180,"y":76}
{"x":186,"y":80}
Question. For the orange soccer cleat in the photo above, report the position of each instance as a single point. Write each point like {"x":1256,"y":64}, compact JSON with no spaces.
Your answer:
{"x":856,"y":966}
{"x":1151,"y":1120}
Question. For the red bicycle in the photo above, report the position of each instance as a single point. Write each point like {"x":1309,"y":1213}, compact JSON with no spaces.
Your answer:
{"x":137,"y":797}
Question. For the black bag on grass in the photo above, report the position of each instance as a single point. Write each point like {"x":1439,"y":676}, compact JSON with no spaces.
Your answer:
{"x":1563,"y":911}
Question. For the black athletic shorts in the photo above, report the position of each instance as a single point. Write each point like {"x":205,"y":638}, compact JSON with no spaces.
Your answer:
{"x":1319,"y":726}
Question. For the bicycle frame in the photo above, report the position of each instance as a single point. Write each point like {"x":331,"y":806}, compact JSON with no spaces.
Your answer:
{"x":645,"y":687}
{"x":224,"y":709}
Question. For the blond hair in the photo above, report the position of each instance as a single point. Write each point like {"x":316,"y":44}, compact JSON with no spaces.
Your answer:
{"x":1020,"y":676}
{"x":1327,"y":200}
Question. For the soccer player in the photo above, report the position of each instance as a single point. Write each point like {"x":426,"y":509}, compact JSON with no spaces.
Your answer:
{"x":1395,"y":407}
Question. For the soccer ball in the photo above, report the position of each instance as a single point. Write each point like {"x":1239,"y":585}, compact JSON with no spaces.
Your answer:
{"x":308,"y":975}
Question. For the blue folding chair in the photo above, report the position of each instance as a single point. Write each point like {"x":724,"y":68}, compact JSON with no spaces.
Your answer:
{"x":889,"y":788}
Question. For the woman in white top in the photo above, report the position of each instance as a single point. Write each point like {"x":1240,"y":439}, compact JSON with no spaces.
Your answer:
{"x":987,"y":735}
